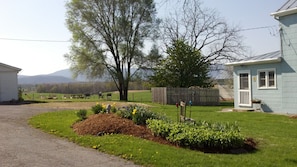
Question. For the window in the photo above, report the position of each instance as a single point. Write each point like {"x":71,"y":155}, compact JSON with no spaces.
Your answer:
{"x":262,"y":79}
{"x":266,"y":79}
{"x":244,"y":81}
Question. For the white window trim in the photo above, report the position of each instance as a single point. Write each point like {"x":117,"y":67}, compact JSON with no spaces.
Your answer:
{"x":267,"y":78}
{"x":249,"y":90}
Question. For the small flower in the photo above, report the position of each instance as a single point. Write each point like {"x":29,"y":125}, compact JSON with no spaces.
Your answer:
{"x":134,"y":111}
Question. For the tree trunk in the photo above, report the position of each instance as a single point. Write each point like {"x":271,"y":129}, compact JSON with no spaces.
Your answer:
{"x":123,"y":90}
{"x":123,"y":94}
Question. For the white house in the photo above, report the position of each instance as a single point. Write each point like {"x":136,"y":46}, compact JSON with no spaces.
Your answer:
{"x":269,"y":82}
{"x":8,"y":82}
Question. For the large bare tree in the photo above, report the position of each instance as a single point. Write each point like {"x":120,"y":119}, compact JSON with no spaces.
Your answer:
{"x":108,"y":35}
{"x":204,"y":30}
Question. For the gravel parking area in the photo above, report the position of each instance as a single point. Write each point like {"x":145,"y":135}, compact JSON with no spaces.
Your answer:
{"x":24,"y":146}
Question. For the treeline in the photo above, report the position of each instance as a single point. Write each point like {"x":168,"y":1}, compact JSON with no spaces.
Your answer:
{"x":82,"y":87}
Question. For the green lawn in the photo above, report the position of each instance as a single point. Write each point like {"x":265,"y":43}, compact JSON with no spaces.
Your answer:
{"x":276,"y":134}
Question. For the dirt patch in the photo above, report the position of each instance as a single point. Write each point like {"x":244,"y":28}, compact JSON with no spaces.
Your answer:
{"x":101,"y":124}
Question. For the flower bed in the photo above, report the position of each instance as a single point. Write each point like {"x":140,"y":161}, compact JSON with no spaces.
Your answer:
{"x":198,"y":136}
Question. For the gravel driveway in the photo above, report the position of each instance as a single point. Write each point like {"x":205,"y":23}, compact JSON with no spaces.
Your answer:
{"x":23,"y":146}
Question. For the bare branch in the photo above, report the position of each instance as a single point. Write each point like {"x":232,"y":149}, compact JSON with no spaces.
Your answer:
{"x":204,"y":30}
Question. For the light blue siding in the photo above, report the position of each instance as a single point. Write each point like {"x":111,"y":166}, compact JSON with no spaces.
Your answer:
{"x":289,"y":77}
{"x":283,"y":98}
{"x":235,"y":86}
{"x":271,"y":98}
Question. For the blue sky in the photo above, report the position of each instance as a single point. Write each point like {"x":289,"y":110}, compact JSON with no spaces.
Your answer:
{"x":45,"y":20}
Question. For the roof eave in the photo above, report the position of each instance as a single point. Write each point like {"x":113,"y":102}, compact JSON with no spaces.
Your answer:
{"x":11,"y":67}
{"x":284,"y":12}
{"x":255,"y":62}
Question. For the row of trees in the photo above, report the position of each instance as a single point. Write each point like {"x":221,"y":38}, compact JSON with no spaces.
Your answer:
{"x":110,"y":36}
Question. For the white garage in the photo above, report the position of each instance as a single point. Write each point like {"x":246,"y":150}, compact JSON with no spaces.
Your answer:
{"x":8,"y":82}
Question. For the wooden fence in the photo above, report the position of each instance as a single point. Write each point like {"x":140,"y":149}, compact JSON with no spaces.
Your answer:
{"x":198,"y":96}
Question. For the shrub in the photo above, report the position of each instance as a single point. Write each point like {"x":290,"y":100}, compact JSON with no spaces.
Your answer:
{"x":138,"y":114}
{"x":97,"y":108}
{"x":159,"y":127}
{"x":102,"y":108}
{"x":204,"y":135}
{"x":20,"y":95}
{"x":124,"y":112}
{"x":218,"y":126}
{"x":82,"y":114}
{"x":113,"y":109}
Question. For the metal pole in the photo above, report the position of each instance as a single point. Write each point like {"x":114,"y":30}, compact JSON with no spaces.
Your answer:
{"x":190,"y":103}
{"x":177,"y":112}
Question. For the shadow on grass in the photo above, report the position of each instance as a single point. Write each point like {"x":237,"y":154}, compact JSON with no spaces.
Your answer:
{"x":227,"y":103}
{"x":250,"y":146}
{"x":294,"y":161}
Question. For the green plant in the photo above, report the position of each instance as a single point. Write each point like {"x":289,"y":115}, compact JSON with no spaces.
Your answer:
{"x":20,"y":95}
{"x":97,"y":108}
{"x":82,"y":114}
{"x":204,"y":135}
{"x":138,"y":114}
{"x":102,"y":108}
{"x":125,"y":112}
{"x":113,"y":109}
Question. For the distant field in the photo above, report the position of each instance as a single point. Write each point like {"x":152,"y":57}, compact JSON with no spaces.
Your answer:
{"x":133,"y":96}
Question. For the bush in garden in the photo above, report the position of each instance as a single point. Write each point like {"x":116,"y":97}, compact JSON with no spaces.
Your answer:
{"x":102,"y":108}
{"x":113,"y":109}
{"x":159,"y":127}
{"x":82,"y":114}
{"x":138,"y":114}
{"x":97,"y":108}
{"x":217,"y":126}
{"x":204,"y":135}
{"x":125,"y":112}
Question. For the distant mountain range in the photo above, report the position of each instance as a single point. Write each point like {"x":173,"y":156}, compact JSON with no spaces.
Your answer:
{"x":61,"y":76}
{"x":65,"y":76}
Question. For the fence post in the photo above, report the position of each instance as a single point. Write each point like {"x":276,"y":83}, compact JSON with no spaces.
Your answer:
{"x":182,"y":111}
{"x":177,"y":105}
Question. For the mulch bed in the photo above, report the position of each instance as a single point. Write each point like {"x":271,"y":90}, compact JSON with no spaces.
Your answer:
{"x":102,"y":124}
